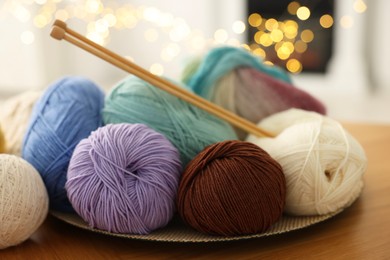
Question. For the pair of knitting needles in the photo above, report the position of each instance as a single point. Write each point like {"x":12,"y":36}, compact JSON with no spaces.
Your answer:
{"x":61,"y":31}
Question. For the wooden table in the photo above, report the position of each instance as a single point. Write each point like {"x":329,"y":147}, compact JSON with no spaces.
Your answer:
{"x":360,"y":232}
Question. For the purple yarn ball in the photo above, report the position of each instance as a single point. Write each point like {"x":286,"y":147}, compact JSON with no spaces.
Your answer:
{"x":124,"y":178}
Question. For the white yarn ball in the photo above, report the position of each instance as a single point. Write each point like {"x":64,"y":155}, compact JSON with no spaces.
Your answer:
{"x":15,"y":115}
{"x":24,"y":202}
{"x":322,"y":162}
{"x":278,"y":122}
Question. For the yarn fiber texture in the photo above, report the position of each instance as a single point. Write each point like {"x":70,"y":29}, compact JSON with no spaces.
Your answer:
{"x":24,"y":201}
{"x":68,"y":111}
{"x":255,"y":95}
{"x":219,"y":62}
{"x":15,"y":115}
{"x":322,"y":162}
{"x":232,"y":188}
{"x":189,"y":128}
{"x":238,"y":81}
{"x":123,"y":178}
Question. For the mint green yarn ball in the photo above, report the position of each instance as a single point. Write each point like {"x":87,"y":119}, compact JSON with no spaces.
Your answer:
{"x":190,"y":129}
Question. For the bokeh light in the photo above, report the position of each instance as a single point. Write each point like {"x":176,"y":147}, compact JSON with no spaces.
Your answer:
{"x":254,"y":20}
{"x":238,"y":27}
{"x":220,"y":36}
{"x":300,"y":46}
{"x":292,"y":7}
{"x":266,"y":40}
{"x":271,"y":24}
{"x":259,"y":52}
{"x":303,"y":13}
{"x":294,"y":66}
{"x":359,"y":6}
{"x":275,"y":37}
{"x":326,"y":21}
{"x":157,"y":69}
{"x":307,"y":36}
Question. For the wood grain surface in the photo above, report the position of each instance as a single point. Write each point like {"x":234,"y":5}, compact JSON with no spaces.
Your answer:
{"x":360,"y":232}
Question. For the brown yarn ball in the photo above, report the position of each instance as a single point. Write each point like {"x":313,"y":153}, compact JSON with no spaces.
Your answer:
{"x":232,"y":188}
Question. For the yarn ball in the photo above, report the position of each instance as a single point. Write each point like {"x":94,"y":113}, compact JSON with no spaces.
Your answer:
{"x":24,"y":201}
{"x":15,"y":115}
{"x":123,"y":178}
{"x":2,"y":141}
{"x":189,"y":128}
{"x":254,"y":95}
{"x":322,"y":162}
{"x":232,"y":188}
{"x":246,"y":90}
{"x":219,"y":62}
{"x":68,"y":111}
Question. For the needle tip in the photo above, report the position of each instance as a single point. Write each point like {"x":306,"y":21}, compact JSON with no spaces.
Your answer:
{"x":57,"y":33}
{"x":60,"y":24}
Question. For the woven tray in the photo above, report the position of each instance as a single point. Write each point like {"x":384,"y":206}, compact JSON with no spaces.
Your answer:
{"x":177,"y":231}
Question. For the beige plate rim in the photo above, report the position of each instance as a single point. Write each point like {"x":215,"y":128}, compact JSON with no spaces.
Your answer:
{"x":177,"y":231}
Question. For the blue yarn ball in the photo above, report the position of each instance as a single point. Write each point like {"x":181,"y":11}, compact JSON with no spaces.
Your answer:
{"x":190,"y":129}
{"x":220,"y":61}
{"x":68,"y":111}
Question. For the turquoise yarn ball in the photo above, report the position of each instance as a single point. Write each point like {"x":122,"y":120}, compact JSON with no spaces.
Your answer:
{"x":202,"y":75}
{"x":68,"y":111}
{"x":189,"y":128}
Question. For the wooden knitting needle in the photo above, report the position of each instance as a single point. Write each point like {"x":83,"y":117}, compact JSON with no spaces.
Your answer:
{"x":61,"y":31}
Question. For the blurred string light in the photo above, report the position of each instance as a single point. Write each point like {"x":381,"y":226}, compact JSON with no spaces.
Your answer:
{"x":283,"y":36}
{"x":157,"y":69}
{"x":294,"y":65}
{"x":289,"y":38}
{"x":359,"y":6}
{"x":293,"y":7}
{"x":326,"y":21}
{"x":102,"y":17}
{"x":221,"y":36}
{"x":238,"y":27}
{"x":286,"y":37}
{"x":303,"y":13}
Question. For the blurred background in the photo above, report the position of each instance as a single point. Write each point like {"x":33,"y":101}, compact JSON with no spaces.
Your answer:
{"x":337,"y":50}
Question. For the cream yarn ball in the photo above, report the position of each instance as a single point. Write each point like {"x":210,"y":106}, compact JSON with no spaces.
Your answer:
{"x":24,"y":202}
{"x":323,"y":164}
{"x":15,"y":115}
